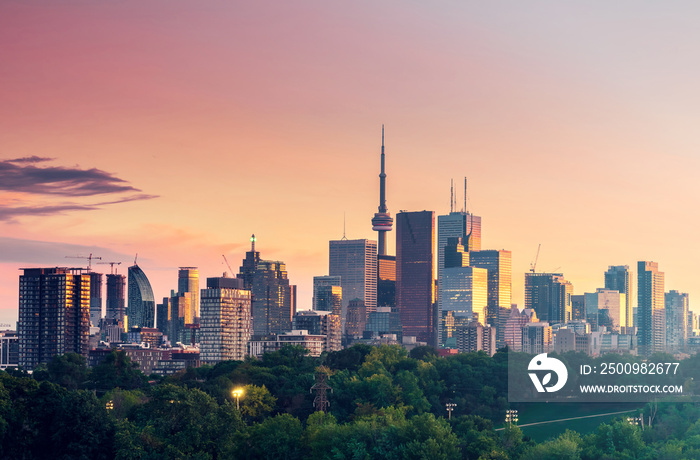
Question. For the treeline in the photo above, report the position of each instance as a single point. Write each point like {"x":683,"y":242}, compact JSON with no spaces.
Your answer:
{"x":385,"y":403}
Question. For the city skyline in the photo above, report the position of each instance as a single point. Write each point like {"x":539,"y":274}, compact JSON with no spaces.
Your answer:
{"x":573,"y":123}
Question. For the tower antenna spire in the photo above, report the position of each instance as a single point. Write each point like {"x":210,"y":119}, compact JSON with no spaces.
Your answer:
{"x":452,"y":195}
{"x":344,"y":237}
{"x":252,"y":242}
{"x":465,"y":194}
{"x":382,"y":221}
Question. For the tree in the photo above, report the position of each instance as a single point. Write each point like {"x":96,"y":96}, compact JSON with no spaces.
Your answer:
{"x":279,"y":437}
{"x":117,"y":371}
{"x":256,"y":402}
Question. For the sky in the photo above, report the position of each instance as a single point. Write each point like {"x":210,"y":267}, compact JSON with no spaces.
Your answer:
{"x":175,"y":129}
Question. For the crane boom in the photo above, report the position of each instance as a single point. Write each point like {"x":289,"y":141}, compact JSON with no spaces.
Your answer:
{"x":89,"y":259}
{"x":227,"y":264}
{"x":534,"y":264}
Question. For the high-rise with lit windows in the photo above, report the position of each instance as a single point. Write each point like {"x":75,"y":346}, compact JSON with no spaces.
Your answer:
{"x":651,"y":316}
{"x":355,"y":261}
{"x":54,"y":314}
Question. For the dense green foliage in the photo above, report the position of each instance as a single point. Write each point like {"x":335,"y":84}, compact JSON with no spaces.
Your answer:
{"x":386,"y":403}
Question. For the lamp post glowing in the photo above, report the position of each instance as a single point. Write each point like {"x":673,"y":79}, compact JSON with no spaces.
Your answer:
{"x":237,"y":393}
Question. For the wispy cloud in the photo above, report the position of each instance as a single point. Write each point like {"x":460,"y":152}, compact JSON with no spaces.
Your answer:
{"x":27,"y":176}
{"x":21,"y":175}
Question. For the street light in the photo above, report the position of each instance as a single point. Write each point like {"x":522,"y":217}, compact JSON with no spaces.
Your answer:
{"x":450,"y":407}
{"x":237,"y":393}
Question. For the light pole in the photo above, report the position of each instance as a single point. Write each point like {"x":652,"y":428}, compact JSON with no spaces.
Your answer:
{"x":511,"y":416}
{"x":450,"y":407}
{"x":237,"y":393}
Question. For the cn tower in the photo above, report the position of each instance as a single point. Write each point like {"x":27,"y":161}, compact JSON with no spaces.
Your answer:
{"x":382,"y":221}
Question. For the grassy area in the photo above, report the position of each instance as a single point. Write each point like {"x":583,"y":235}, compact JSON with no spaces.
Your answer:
{"x":538,"y":412}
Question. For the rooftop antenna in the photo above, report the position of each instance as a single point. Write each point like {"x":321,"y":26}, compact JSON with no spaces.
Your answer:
{"x":452,"y":195}
{"x":344,"y":237}
{"x":465,"y":195}
{"x":136,"y":257}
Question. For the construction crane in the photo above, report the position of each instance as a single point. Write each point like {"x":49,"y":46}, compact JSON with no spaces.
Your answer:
{"x":227,"y":264}
{"x":534,"y":264}
{"x":111,"y":265}
{"x":89,"y":259}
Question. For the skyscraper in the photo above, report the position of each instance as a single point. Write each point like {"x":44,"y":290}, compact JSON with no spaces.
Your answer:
{"x":651,"y":317}
{"x":456,"y":224}
{"x":676,"y":304}
{"x":115,"y":297}
{"x":464,"y":288}
{"x":605,"y":307}
{"x":141,"y":308}
{"x":226,"y":322}
{"x":188,"y":281}
{"x":95,"y":298}
{"x":328,"y":294}
{"x":54,"y":314}
{"x":273,"y":298}
{"x":549,"y":294}
{"x":382,"y":221}
{"x":356,"y":319}
{"x":498,"y":264}
{"x":355,"y":261}
{"x":415,"y":273}
{"x":386,"y":281}
{"x":619,"y":278}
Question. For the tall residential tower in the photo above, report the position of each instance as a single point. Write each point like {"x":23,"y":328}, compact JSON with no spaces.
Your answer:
{"x":651,"y":316}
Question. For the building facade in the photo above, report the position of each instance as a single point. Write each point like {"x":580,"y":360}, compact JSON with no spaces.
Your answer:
{"x":320,"y":323}
{"x":273,"y":297}
{"x":54,"y":314}
{"x":116,"y":309}
{"x":549,"y":294}
{"x":355,"y":262}
{"x":141,"y":308}
{"x":619,"y":278}
{"x":677,"y":312}
{"x":651,"y":316}
{"x":226,"y":323}
{"x":499,"y":266}
{"x":415,"y":274}
{"x":188,"y":281}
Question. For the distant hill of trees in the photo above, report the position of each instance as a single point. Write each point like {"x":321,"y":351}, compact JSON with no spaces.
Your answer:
{"x":385,"y":403}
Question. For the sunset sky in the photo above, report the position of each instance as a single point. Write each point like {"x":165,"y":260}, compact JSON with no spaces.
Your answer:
{"x":176,"y":129}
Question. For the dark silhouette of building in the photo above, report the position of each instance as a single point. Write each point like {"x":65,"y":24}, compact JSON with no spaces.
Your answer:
{"x":95,"y":298}
{"x":115,"y":297}
{"x":141,"y":309}
{"x":273,"y":298}
{"x":54,"y":314}
{"x":415,"y":293}
{"x":549,"y":294}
